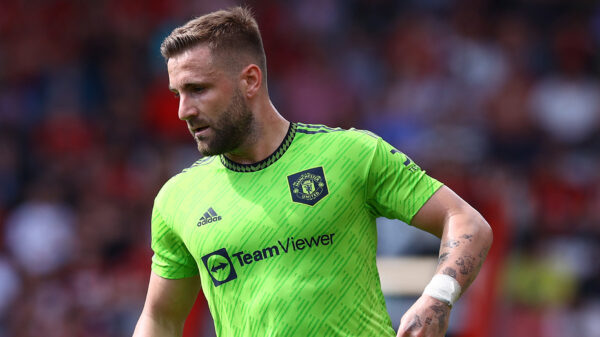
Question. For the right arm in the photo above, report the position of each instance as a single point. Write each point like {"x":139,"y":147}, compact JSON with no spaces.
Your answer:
{"x":168,"y":303}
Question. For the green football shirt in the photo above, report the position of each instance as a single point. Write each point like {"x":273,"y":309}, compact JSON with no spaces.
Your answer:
{"x":286,"y":246}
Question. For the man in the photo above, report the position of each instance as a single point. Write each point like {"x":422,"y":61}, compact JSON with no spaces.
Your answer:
{"x":276,"y":223}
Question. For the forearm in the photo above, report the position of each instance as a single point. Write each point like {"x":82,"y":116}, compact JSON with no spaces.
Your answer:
{"x":466,"y":239}
{"x":150,"y":326}
{"x":465,"y":243}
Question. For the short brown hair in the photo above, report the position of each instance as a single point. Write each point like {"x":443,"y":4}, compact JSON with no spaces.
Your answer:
{"x":229,"y":33}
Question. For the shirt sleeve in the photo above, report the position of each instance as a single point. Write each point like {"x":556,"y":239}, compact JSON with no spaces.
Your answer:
{"x":397,"y":187}
{"x":171,"y":258}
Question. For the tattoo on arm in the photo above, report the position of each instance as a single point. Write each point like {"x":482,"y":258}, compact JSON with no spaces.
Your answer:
{"x":466,"y":264}
{"x":443,"y":258}
{"x":450,"y":272}
{"x":451,"y":244}
{"x":473,"y":275}
{"x":441,"y":311}
{"x":416,"y":323}
{"x":456,"y":243}
{"x":467,"y":237}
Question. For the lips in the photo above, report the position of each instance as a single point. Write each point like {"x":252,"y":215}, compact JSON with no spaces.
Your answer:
{"x":199,"y":131}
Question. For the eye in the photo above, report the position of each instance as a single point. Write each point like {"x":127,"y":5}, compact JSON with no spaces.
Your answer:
{"x":176,"y":94}
{"x":198,"y":89}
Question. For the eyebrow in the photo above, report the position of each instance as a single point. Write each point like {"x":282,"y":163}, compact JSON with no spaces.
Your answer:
{"x":189,"y":85}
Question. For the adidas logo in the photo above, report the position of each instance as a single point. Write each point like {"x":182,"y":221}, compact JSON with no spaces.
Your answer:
{"x":208,"y":217}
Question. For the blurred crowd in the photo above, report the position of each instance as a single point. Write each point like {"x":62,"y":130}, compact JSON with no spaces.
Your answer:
{"x":498,"y":99}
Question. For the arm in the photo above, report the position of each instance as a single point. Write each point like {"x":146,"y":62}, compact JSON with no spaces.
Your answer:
{"x":466,"y":239}
{"x":168,"y":303}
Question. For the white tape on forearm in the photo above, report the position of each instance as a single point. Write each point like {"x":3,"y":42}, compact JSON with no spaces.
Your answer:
{"x":444,"y":288}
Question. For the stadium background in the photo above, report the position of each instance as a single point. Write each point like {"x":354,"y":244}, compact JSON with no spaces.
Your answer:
{"x":498,"y":99}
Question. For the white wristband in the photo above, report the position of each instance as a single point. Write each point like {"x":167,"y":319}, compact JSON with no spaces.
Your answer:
{"x":444,"y":288}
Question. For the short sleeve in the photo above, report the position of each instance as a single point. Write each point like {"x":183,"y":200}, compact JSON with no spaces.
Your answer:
{"x":171,"y":258}
{"x":397,"y":187}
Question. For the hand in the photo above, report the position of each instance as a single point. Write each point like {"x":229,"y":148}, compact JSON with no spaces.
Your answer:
{"x":428,"y":317}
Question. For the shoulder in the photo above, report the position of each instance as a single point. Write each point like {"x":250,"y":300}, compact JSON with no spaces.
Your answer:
{"x":346,"y":138}
{"x":181,"y":182}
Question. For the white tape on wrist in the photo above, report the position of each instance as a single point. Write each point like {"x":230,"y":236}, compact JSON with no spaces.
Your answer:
{"x":444,"y":288}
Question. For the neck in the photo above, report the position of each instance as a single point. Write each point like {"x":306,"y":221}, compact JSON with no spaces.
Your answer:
{"x":269,"y":130}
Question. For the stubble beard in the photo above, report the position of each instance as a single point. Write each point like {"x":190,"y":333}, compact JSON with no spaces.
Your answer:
{"x":230,"y":130}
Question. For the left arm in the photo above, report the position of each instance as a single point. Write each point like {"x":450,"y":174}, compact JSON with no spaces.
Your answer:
{"x":465,"y":240}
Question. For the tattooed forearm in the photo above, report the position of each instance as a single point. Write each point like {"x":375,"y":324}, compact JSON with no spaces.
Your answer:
{"x":460,"y":260}
{"x":466,"y":239}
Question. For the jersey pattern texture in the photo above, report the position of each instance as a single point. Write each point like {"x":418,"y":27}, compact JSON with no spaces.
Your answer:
{"x":286,"y":247}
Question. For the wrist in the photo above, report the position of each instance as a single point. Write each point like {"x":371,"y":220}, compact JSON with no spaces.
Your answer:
{"x":443,"y":288}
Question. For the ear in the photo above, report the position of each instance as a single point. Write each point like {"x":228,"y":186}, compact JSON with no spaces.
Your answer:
{"x":251,"y":80}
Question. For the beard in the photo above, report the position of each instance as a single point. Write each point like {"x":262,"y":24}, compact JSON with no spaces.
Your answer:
{"x":230,"y":130}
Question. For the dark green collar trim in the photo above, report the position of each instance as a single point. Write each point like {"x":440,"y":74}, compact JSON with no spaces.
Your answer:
{"x":287,"y":141}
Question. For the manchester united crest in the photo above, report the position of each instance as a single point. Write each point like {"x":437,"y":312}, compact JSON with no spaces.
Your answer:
{"x":309,"y":186}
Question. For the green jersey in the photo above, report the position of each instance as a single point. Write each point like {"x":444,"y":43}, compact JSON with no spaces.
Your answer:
{"x":286,"y":246}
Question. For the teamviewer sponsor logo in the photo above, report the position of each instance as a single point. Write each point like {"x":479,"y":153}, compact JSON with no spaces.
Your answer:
{"x":219,"y":266}
{"x":287,"y":246}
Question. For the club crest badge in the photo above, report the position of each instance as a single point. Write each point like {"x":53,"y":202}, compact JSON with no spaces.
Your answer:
{"x":309,"y":186}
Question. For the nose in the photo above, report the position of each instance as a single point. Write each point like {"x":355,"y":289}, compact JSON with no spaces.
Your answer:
{"x":186,"y":109}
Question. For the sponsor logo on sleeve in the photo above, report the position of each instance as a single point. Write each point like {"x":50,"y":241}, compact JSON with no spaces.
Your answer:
{"x":409,"y":163}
